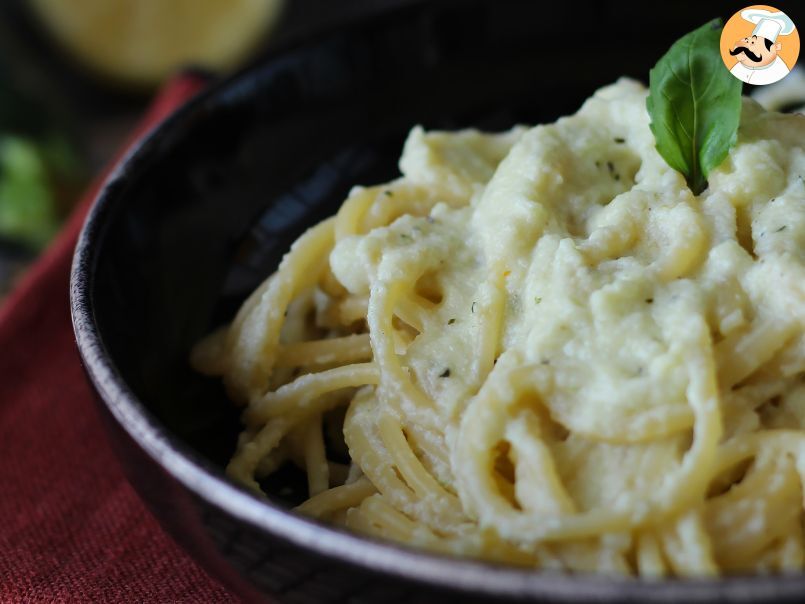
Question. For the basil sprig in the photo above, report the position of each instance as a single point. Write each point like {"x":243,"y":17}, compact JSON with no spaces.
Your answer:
{"x":694,"y":104}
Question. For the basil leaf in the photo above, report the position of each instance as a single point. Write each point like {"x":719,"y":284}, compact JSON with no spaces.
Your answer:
{"x":694,"y":104}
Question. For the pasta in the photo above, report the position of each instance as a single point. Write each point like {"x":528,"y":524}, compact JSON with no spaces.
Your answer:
{"x":539,"y":347}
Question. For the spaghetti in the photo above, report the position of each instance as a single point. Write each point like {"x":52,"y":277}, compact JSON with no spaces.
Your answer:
{"x":538,"y":347}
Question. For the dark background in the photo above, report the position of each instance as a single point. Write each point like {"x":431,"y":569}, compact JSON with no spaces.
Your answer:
{"x":100,"y":113}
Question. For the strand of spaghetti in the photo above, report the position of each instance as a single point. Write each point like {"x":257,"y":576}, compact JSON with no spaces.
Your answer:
{"x":390,"y":521}
{"x":358,"y":522}
{"x":755,"y":394}
{"x":482,"y":428}
{"x":688,"y":548}
{"x":739,"y":355}
{"x":650,"y":563}
{"x":318,"y":472}
{"x":396,"y":383}
{"x":757,"y":513}
{"x":300,"y":395}
{"x":744,"y":446}
{"x":603,"y":554}
{"x":247,"y":308}
{"x":489,"y":546}
{"x":491,"y":316}
{"x":788,"y":362}
{"x":537,"y":486}
{"x":211,"y":355}
{"x":367,"y":450}
{"x":429,"y":450}
{"x":379,"y":464}
{"x":254,"y":342}
{"x":352,"y":308}
{"x":346,"y":349}
{"x":412,"y":470}
{"x":337,"y":498}
{"x":406,"y":530}
{"x":295,"y":441}
{"x":402,"y":338}
{"x":432,"y":452}
{"x":249,"y":453}
{"x":411,"y":312}
{"x":271,"y":462}
{"x":350,"y":215}
{"x":330,"y":285}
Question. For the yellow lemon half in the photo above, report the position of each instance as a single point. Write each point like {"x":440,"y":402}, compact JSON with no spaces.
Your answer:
{"x":140,"y":42}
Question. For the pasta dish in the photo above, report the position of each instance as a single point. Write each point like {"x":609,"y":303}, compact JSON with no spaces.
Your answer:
{"x":539,"y":347}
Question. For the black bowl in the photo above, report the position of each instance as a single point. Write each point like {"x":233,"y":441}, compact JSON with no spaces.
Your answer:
{"x":204,"y":208}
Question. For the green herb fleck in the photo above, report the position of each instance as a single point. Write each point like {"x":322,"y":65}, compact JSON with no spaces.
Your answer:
{"x":612,"y":172}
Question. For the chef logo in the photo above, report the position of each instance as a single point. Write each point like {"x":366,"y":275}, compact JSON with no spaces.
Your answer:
{"x":760,"y":45}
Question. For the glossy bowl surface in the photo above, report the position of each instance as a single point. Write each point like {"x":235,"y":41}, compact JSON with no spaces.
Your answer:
{"x":203,"y":210}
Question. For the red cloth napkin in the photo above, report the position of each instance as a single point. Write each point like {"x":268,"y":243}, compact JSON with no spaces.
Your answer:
{"x":71,"y":527}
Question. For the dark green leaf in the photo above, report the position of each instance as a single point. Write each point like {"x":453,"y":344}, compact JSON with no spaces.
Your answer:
{"x":694,"y":104}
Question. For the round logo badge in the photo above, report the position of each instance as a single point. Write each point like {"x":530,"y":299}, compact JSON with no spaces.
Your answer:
{"x":760,"y":45}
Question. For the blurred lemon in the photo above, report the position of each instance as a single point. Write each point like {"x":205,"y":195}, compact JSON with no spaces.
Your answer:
{"x":140,"y":42}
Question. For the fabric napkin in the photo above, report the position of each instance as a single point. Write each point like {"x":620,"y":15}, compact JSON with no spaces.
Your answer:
{"x":71,"y":527}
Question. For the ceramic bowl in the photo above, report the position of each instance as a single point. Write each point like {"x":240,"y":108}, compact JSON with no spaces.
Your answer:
{"x":202,"y":211}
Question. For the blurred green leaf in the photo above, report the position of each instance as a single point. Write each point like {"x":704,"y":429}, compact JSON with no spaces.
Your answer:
{"x":27,"y":203}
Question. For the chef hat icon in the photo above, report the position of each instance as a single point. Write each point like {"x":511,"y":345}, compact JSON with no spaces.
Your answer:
{"x":769,"y":24}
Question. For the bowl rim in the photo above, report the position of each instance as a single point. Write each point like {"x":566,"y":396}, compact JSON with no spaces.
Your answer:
{"x":208,"y":482}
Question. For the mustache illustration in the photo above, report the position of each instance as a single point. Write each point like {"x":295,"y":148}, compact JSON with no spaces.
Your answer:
{"x":752,"y":56}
